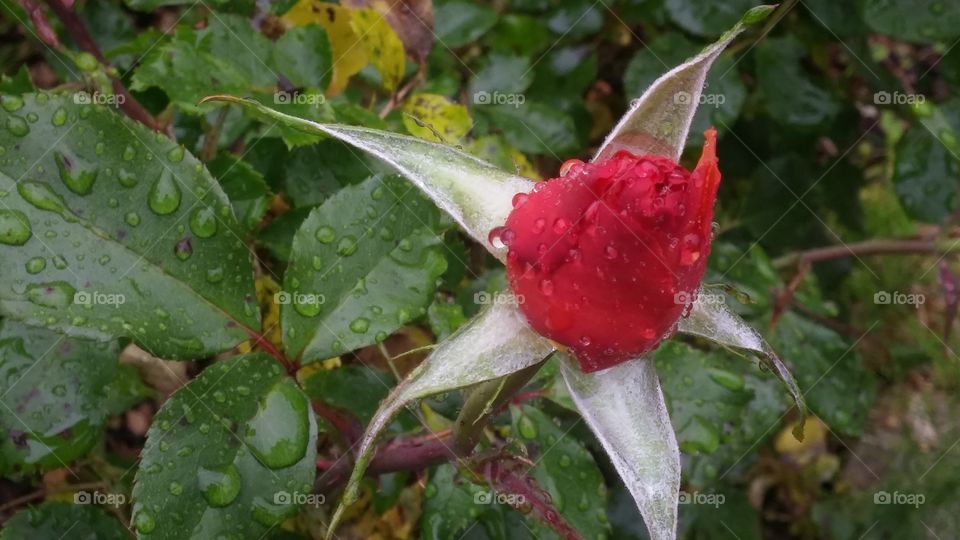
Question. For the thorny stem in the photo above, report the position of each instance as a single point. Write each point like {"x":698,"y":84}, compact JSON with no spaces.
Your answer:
{"x":81,"y":36}
{"x":348,"y":426}
{"x":869,"y":247}
{"x":408,"y":454}
{"x":43,"y":492}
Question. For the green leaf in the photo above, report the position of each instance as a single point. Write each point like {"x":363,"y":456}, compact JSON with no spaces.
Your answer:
{"x":55,"y":520}
{"x":707,"y":392}
{"x":716,"y":322}
{"x":126,"y":390}
{"x":458,"y":23}
{"x":790,"y":96}
{"x":303,"y":55}
{"x":495,"y":343}
{"x":229,"y":454}
{"x":52,"y":409}
{"x":355,"y":387}
{"x":126,"y":234}
{"x":625,"y":409}
{"x":151,"y":5}
{"x":565,"y":469}
{"x":927,"y":164}
{"x":19,"y":83}
{"x":658,"y":122}
{"x":925,"y":22}
{"x":450,"y":506}
{"x":314,"y":173}
{"x":838,"y":387}
{"x":534,"y":127}
{"x":187,"y":74}
{"x":706,"y":17}
{"x":522,"y":34}
{"x":277,"y":236}
{"x":233,"y":38}
{"x":474,"y":193}
{"x":574,"y":20}
{"x":245,"y":187}
{"x":362,"y":264}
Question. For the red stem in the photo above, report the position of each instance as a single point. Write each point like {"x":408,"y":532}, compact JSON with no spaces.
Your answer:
{"x":264,"y":343}
{"x":404,"y":455}
{"x":84,"y":40}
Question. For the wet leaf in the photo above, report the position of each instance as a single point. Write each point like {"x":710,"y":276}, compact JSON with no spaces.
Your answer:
{"x":231,"y":453}
{"x":716,"y":322}
{"x":125,"y":234}
{"x":303,"y":55}
{"x":63,"y":520}
{"x":52,"y":409}
{"x":926,"y":22}
{"x":565,"y":470}
{"x":362,"y":264}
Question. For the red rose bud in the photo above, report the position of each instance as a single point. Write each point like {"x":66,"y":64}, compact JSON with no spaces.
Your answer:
{"x":608,"y":256}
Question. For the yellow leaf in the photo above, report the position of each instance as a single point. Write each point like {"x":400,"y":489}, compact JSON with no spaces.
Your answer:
{"x":496,"y":150}
{"x":435,"y":118}
{"x":383,"y":46}
{"x":349,"y":55}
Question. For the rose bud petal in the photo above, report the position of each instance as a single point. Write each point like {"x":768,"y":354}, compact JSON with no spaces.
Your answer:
{"x":607,"y":257}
